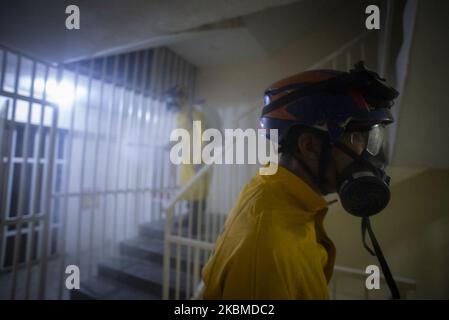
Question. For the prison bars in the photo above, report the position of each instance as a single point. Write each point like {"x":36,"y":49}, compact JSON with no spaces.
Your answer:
{"x":148,"y":113}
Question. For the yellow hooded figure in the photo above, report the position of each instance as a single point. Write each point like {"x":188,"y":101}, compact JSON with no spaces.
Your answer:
{"x":185,"y":116}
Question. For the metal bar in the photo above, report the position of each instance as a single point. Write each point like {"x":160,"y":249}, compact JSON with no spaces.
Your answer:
{"x":28,"y":99}
{"x":186,"y":188}
{"x":95,"y":163}
{"x":178,"y":254}
{"x":166,"y":84}
{"x":12,"y":151}
{"x":2,"y":76}
{"x":196,"y":253}
{"x":31,"y":161}
{"x":3,"y":179}
{"x":13,"y":50}
{"x":181,"y":78}
{"x":31,"y":226}
{"x":10,"y":176}
{"x":196,"y":269}
{"x":152,"y":123}
{"x":21,"y":197}
{"x":150,"y":128}
{"x":157,"y":164}
{"x":10,"y":222}
{"x":140,"y":136}
{"x":68,"y":168}
{"x":201,"y":235}
{"x":119,"y":149}
{"x":166,"y":272}
{"x":207,"y":216}
{"x":8,"y":187}
{"x":199,"y":226}
{"x":174,"y":76}
{"x":132,"y":105}
{"x":110,"y":192}
{"x":189,"y":249}
{"x":45,"y":169}
{"x":3,"y":135}
{"x":215,"y":217}
{"x":83,"y":160}
{"x":149,"y":102}
{"x":161,"y":57}
{"x":108,"y":148}
{"x":204,"y":245}
{"x":47,"y":202}
{"x":228,"y":198}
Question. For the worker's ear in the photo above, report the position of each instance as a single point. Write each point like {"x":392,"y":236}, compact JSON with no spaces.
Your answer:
{"x":309,"y":146}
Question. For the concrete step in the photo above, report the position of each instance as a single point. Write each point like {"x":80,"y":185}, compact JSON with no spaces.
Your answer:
{"x":153,"y":229}
{"x":97,"y":288}
{"x":156,"y":229}
{"x":144,"y":275}
{"x":152,"y":250}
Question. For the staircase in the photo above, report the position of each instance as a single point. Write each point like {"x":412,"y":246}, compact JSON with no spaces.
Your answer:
{"x":136,"y":273}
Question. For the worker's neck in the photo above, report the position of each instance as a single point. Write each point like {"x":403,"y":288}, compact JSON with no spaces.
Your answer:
{"x":292,"y":165}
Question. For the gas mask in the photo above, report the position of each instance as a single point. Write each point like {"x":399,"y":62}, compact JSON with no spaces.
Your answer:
{"x":363,"y":186}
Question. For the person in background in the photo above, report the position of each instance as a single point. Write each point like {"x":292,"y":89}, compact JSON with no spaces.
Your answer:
{"x":177,"y":102}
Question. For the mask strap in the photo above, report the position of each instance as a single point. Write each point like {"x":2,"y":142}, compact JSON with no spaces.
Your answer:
{"x":366,"y":226}
{"x":323,"y":161}
{"x":365,"y":222}
{"x":309,"y":171}
{"x":354,"y":155}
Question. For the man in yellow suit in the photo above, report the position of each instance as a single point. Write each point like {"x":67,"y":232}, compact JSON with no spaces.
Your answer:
{"x":177,"y":102}
{"x":329,"y":125}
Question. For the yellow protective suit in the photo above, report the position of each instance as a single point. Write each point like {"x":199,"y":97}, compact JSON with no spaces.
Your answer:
{"x":273,"y":245}
{"x":184,"y":120}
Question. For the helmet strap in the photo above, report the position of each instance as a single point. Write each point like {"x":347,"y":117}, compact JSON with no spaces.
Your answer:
{"x":322,"y":165}
{"x":325,"y":157}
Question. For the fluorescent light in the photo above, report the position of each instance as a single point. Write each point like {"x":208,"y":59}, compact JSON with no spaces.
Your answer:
{"x":63,"y":93}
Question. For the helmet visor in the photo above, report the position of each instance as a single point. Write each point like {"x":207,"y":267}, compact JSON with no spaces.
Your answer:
{"x":375,"y":139}
{"x":372,"y":139}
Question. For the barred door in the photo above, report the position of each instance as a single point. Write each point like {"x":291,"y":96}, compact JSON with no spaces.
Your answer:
{"x":27,"y":147}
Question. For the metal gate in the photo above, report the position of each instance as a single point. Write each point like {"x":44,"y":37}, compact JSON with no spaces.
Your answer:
{"x":84,"y":160}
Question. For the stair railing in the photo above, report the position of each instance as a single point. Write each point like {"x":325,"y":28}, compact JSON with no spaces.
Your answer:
{"x":172,"y":212}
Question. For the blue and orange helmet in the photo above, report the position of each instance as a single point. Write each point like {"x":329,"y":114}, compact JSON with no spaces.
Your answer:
{"x":329,"y":100}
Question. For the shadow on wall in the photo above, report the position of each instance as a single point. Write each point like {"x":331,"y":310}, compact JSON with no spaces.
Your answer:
{"x":413,"y":232}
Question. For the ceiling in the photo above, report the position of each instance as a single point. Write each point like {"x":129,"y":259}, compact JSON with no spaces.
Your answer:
{"x":207,"y":32}
{"x":202,"y":31}
{"x":38,"y":27}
